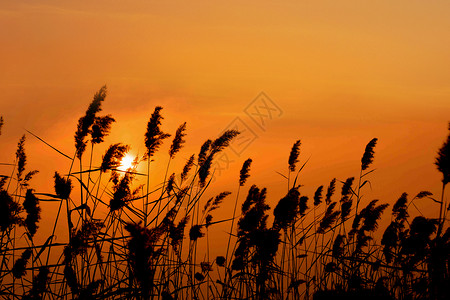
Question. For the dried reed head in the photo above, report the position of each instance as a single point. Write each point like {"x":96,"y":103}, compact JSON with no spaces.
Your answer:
{"x":154,"y":136}
{"x":400,"y":209}
{"x":187,"y":167}
{"x":368,"y":155}
{"x":346,"y":201}
{"x":21,"y":158}
{"x":9,"y":211}
{"x":244,"y":173}
{"x":220,"y":261}
{"x":176,"y":233}
{"x":19,"y":267}
{"x":101,"y":128}
{"x":330,"y":191}
{"x":293,"y":156}
{"x":31,"y":206}
{"x":204,"y":149}
{"x":318,"y":195}
{"x":196,"y":232}
{"x":338,"y":249}
{"x":328,"y":219}
{"x":443,"y":160}
{"x":287,"y":209}
{"x":63,"y":186}
{"x":113,"y":156}
{"x":85,"y":122}
{"x":39,"y":286}
{"x":178,"y":140}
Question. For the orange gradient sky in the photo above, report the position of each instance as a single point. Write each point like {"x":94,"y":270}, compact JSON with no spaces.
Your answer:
{"x":342,"y":72}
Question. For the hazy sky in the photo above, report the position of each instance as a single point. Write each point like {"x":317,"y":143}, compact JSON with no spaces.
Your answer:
{"x":342,"y":72}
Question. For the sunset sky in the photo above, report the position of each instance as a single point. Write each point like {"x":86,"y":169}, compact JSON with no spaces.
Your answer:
{"x":341,"y":73}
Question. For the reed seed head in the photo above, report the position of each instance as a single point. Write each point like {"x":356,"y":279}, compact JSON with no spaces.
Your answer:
{"x":293,"y":156}
{"x":154,"y":136}
{"x":244,"y":173}
{"x":368,"y":155}
{"x":443,"y":160}
{"x":178,"y":140}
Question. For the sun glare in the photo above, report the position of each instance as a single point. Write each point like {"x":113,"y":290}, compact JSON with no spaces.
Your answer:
{"x":126,"y":163}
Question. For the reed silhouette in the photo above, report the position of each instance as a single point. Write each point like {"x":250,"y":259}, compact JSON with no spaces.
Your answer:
{"x":127,"y":241}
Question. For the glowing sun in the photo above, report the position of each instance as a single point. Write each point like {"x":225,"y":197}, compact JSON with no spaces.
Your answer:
{"x":126,"y":163}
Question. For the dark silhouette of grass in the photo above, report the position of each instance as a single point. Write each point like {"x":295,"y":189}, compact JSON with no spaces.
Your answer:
{"x":319,"y":249}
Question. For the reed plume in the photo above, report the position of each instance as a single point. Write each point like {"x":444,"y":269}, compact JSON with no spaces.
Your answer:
{"x":21,"y":158}
{"x":318,"y":195}
{"x":330,"y":191}
{"x":287,"y":209}
{"x":187,"y":167}
{"x":101,"y":128}
{"x":293,"y":156}
{"x":368,"y":155}
{"x":63,"y":186}
{"x":245,"y":172}
{"x":31,"y":206}
{"x":85,"y":123}
{"x":9,"y":211}
{"x":113,"y":156}
{"x":19,"y":268}
{"x":154,"y":136}
{"x":39,"y":285}
{"x":443,"y":160}
{"x":346,"y":201}
{"x":176,"y":233}
{"x":178,"y":140}
{"x":328,"y":219}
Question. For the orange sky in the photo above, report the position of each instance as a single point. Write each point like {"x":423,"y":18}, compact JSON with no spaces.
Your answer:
{"x":342,"y":72}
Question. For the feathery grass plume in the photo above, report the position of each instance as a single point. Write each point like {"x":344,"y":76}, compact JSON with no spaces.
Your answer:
{"x":154,"y":136}
{"x":220,"y":261}
{"x":19,"y":268}
{"x":81,"y":238}
{"x":328,"y":219}
{"x":122,"y":192}
{"x":1,"y":124}
{"x":3,"y":181}
{"x":9,"y":211}
{"x":346,"y":202}
{"x":142,"y":255}
{"x":63,"y":186}
{"x":443,"y":160}
{"x":253,"y":211}
{"x":85,"y":122}
{"x":216,"y":146}
{"x":208,"y":220}
{"x":71,"y":279}
{"x":330,"y":191}
{"x":28,"y":177}
{"x":31,"y":206}
{"x":178,"y":140}
{"x":196,"y":232}
{"x":199,"y":276}
{"x":400,"y":209}
{"x":303,"y":205}
{"x":21,"y":158}
{"x":418,"y":241}
{"x":293,"y":156}
{"x":170,"y":183}
{"x":390,"y":240}
{"x":223,"y":141}
{"x":287,"y":209}
{"x":39,"y":286}
{"x":245,"y":172}
{"x":371,"y":214}
{"x":338,"y":249}
{"x":318,"y":195}
{"x":176,"y":233}
{"x":203,"y":152}
{"x":187,"y":167}
{"x":218,"y":200}
{"x":367,"y":158}
{"x":101,"y":128}
{"x":113,"y":156}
